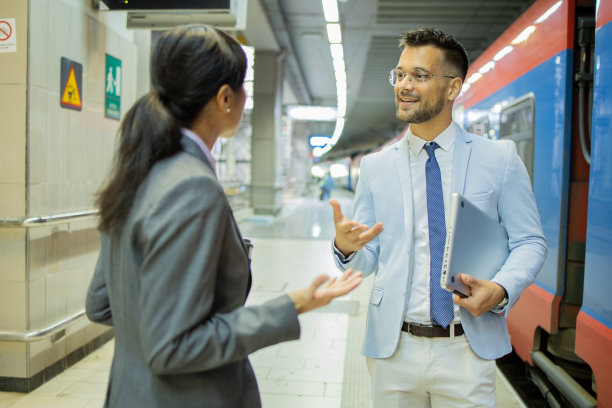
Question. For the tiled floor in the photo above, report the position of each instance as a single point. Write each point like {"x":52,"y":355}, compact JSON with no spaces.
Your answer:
{"x":323,"y":369}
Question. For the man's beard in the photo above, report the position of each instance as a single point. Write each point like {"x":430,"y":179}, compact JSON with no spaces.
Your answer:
{"x":425,"y":113}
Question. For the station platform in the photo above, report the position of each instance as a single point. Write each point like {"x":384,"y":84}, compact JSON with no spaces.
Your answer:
{"x":324,"y":369}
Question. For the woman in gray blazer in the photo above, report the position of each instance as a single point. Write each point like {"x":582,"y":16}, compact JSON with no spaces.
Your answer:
{"x":173,"y":273}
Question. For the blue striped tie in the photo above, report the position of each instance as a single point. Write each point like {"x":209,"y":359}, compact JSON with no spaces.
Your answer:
{"x":441,"y":301}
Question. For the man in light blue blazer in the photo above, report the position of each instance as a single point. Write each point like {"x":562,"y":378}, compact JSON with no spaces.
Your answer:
{"x":423,"y":346}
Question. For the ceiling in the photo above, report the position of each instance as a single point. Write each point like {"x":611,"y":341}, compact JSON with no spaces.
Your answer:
{"x":370,"y":31}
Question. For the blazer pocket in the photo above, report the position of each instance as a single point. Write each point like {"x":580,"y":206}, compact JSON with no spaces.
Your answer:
{"x":474,"y":198}
{"x":376,"y":296}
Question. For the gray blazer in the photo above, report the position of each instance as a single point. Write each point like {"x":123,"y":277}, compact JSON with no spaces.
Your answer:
{"x":173,"y":282}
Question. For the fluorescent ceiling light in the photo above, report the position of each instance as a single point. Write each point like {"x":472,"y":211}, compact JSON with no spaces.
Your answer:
{"x":317,"y":171}
{"x":487,"y":67}
{"x":338,"y":170}
{"x":340,"y":76}
{"x":522,"y":37}
{"x":474,"y":77}
{"x":330,"y":10}
{"x":333,"y":33}
{"x":314,"y":113}
{"x":549,"y":12}
{"x":337,"y":131}
{"x":339,"y":65}
{"x":504,"y":51}
{"x":337,"y":51}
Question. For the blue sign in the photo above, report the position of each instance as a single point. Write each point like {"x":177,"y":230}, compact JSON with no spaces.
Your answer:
{"x":319,"y":140}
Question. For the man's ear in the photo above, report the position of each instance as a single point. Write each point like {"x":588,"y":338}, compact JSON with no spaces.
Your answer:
{"x":223,"y":98}
{"x":454,"y":88}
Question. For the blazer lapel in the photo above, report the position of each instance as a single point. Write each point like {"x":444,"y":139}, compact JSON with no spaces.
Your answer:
{"x":461,"y":158}
{"x":192,"y":148}
{"x":401,"y":156}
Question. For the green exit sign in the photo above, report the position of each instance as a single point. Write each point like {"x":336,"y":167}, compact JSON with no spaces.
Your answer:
{"x":112,"y":102}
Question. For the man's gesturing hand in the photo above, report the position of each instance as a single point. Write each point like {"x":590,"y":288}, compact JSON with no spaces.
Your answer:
{"x":350,"y":236}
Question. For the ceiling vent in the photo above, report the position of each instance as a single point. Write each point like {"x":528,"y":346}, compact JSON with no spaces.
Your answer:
{"x":164,"y":14}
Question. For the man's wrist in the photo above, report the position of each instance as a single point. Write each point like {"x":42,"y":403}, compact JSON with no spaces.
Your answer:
{"x":504,"y":301}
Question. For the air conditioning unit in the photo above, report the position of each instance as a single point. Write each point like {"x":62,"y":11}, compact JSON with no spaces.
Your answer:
{"x":164,"y":14}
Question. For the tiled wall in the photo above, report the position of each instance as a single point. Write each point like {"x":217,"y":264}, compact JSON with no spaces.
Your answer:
{"x":52,"y":160}
{"x":13,"y":86}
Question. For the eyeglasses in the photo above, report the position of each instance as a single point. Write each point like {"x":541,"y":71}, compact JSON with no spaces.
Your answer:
{"x":415,"y":77}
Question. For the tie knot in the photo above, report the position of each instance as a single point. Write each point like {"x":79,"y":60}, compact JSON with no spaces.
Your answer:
{"x":430,"y":147}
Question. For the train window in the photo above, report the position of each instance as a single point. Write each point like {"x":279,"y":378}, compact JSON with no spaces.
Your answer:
{"x":517,"y":124}
{"x":480,"y":127}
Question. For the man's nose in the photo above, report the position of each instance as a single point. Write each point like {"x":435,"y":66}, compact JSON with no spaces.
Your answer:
{"x":405,"y":83}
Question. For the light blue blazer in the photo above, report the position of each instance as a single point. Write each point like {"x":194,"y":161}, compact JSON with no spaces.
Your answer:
{"x":488,"y":173}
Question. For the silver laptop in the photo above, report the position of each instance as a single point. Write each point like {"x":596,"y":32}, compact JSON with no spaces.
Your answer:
{"x":476,"y":244}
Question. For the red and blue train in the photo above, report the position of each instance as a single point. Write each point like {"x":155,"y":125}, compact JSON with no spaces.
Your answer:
{"x":546,"y":83}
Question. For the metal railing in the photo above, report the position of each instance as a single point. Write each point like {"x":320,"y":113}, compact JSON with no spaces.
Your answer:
{"x":46,"y":220}
{"x":42,"y":221}
{"x":41,"y":334}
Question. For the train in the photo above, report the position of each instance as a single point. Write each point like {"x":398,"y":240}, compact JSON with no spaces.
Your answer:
{"x":546,"y":84}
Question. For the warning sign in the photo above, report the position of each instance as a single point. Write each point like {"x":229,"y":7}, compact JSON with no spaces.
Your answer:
{"x":8,"y":36}
{"x":71,"y":80}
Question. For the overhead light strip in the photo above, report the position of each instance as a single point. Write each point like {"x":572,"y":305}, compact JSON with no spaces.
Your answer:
{"x":334,"y":35}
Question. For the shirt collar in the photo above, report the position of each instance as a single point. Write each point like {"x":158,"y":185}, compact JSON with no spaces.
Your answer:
{"x":191,"y":135}
{"x":445,"y":140}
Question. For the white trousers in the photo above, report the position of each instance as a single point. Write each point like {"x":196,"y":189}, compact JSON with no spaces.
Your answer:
{"x":439,"y":372}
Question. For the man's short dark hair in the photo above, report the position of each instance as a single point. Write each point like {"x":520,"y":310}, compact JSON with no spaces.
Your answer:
{"x":455,"y":54}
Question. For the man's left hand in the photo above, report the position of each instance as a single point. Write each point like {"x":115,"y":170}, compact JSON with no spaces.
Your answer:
{"x":485,"y":295}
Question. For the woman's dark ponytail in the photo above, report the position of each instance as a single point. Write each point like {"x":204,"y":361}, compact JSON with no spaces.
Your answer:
{"x":148,"y":134}
{"x":188,"y":66}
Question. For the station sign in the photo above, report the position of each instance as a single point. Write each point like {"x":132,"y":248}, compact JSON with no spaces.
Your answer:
{"x":112,"y":101}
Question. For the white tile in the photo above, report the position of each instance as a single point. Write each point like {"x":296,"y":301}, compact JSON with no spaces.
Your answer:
{"x":96,"y":403}
{"x":53,"y":388}
{"x":38,"y":138}
{"x":38,"y":46}
{"x":85,"y":389}
{"x":37,"y":303}
{"x":13,"y":356}
{"x":57,"y":42}
{"x":13,"y":251}
{"x":13,"y":135}
{"x":284,"y":401}
{"x":325,"y":363}
{"x":38,"y":253}
{"x":277,"y":362}
{"x":321,"y":375}
{"x":291,"y":387}
{"x":13,"y":306}
{"x":31,"y":401}
{"x":77,"y":36}
{"x":9,"y":398}
{"x":333,"y":390}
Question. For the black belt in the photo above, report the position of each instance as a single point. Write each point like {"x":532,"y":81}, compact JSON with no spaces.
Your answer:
{"x":431,"y":331}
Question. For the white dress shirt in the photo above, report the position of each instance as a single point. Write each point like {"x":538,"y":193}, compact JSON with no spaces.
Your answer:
{"x":418,"y":309}
{"x":190,"y":134}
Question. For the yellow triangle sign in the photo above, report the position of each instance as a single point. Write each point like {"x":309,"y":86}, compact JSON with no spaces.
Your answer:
{"x":71,"y":94}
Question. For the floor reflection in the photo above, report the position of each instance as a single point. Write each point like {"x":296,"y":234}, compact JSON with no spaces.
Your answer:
{"x":300,"y":218}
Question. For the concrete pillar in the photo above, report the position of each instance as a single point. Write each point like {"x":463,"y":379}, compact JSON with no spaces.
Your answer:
{"x":266,"y":177}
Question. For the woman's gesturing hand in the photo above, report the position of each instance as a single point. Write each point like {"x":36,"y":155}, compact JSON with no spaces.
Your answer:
{"x":322,"y":290}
